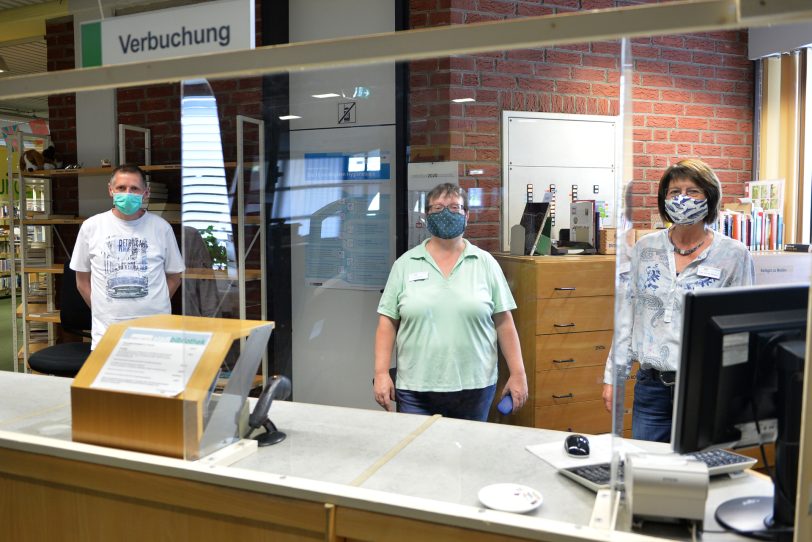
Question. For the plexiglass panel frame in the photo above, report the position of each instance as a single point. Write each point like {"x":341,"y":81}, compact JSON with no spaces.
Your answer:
{"x":485,"y":192}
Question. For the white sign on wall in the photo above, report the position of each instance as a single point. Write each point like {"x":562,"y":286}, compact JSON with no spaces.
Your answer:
{"x":200,"y":28}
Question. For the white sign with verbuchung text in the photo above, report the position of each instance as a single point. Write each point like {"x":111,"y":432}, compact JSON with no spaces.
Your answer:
{"x":212,"y":27}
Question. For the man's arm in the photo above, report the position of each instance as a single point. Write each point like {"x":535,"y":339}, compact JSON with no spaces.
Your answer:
{"x":172,"y":282}
{"x":83,"y":285}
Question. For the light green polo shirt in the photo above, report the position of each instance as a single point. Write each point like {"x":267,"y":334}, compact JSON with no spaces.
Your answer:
{"x":446,"y":339}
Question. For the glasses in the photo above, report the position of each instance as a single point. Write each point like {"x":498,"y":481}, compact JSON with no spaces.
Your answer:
{"x":438,"y":208}
{"x":695,"y":193}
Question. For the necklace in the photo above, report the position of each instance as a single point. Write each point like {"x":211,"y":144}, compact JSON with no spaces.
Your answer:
{"x":687,"y":251}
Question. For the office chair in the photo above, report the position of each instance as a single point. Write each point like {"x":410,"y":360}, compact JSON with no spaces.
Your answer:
{"x":65,"y":359}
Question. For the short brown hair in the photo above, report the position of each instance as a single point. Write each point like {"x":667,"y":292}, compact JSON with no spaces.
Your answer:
{"x":447,"y":189}
{"x":704,"y":177}
{"x":129,"y":168}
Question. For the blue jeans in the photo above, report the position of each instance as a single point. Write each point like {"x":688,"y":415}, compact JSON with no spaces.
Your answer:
{"x":653,"y":408}
{"x":465,"y":404}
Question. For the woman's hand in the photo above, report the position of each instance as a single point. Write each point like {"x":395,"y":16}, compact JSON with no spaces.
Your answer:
{"x":608,"y":392}
{"x":509,"y":343}
{"x":382,"y":384}
{"x":516,"y":385}
{"x":384,"y":390}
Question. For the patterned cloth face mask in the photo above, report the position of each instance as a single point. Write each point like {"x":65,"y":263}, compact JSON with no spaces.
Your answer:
{"x":446,"y":224}
{"x":128,"y":204}
{"x":685,"y":210}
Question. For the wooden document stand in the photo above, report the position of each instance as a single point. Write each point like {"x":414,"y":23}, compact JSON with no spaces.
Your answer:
{"x":157,"y":424}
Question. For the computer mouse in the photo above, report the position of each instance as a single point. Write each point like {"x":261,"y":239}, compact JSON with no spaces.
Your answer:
{"x":576,"y":446}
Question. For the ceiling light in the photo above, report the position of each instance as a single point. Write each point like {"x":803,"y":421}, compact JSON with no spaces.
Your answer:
{"x":462,"y":100}
{"x":289,"y":117}
{"x":3,"y":65}
{"x":328,"y":95}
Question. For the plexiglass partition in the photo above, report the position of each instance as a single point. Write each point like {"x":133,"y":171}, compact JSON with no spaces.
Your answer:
{"x":352,"y":155}
{"x":291,"y":195}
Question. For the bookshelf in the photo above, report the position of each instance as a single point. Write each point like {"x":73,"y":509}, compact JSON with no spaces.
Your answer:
{"x":7,"y":251}
{"x":757,"y":228}
{"x":36,"y":316}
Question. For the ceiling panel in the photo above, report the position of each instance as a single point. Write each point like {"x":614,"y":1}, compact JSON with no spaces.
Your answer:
{"x":11,"y":4}
{"x":23,"y":59}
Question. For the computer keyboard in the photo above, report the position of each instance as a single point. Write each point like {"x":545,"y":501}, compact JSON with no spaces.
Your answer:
{"x":723,"y":461}
{"x":597,"y":476}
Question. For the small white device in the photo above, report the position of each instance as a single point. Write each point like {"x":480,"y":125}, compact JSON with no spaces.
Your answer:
{"x":666,"y":487}
{"x":582,"y":222}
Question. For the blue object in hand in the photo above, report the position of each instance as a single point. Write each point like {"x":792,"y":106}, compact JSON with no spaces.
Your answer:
{"x":505,"y":406}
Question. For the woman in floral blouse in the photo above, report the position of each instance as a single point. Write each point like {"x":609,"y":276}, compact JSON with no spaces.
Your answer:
{"x":664,"y":265}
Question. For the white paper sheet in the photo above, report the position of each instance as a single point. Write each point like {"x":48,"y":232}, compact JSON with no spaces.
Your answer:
{"x":152,"y":361}
{"x":600,"y":451}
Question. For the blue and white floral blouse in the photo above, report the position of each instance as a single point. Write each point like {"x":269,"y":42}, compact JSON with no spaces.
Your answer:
{"x":650,"y":323}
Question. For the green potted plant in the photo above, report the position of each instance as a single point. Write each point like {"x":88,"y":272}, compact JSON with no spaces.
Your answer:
{"x":219,"y":257}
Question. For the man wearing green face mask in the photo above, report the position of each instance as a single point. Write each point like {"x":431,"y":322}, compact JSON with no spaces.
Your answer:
{"x":127,"y":260}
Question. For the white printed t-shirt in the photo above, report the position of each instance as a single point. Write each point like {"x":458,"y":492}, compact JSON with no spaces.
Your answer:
{"x":128,"y":261}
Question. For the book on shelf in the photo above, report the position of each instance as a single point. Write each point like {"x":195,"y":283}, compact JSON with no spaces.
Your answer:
{"x":756,"y":228}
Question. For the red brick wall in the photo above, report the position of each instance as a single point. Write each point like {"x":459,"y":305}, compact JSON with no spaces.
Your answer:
{"x":692,"y":98}
{"x":157,"y":107}
{"x":62,"y":124}
{"x":61,"y":107}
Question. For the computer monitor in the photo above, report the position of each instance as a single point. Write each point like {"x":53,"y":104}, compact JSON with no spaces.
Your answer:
{"x":740,"y":383}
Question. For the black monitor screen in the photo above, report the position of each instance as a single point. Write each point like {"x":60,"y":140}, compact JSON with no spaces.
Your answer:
{"x":533,"y":218}
{"x":740,"y":374}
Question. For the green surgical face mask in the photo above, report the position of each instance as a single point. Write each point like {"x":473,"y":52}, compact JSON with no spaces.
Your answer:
{"x":128,"y":204}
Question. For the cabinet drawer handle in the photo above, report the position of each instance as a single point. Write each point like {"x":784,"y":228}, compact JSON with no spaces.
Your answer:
{"x":564,"y":360}
{"x":571,"y":324}
{"x":568,"y":396}
{"x":565,"y":288}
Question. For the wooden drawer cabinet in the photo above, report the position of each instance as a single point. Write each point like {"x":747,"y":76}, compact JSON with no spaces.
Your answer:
{"x":571,"y":351}
{"x":561,"y":386}
{"x":575,"y":315}
{"x":564,"y":318}
{"x":581,"y":417}
{"x":589,"y":278}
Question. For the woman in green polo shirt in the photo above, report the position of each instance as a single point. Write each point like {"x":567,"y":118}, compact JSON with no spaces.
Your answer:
{"x":446,"y":307}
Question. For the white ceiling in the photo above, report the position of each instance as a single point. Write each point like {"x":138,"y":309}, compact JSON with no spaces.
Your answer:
{"x":23,"y":57}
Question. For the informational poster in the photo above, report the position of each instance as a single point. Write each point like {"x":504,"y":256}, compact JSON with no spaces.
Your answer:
{"x":347,"y":166}
{"x":767,"y":195}
{"x":152,"y":361}
{"x":348,"y":245}
{"x":422,"y":177}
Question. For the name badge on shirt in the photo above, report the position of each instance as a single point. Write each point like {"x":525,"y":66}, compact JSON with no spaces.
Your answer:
{"x":708,"y":271}
{"x":419,"y":275}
